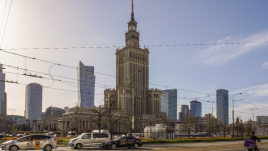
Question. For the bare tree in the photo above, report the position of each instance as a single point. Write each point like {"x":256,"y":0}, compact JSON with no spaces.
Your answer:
{"x":98,"y":115}
{"x":113,"y":115}
{"x":224,"y":128}
{"x":188,"y":124}
{"x":211,"y":123}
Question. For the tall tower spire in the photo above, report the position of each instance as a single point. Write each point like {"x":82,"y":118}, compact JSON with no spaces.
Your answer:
{"x":132,"y":12}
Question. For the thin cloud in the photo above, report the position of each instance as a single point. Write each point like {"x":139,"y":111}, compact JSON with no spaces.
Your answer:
{"x":218,"y":55}
{"x":255,"y":91}
{"x":265,"y":65}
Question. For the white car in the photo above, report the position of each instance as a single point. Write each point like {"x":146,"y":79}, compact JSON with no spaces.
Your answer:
{"x":89,"y":139}
{"x":71,"y":134}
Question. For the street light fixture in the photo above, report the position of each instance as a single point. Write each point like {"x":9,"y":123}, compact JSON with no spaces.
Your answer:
{"x":233,"y":112}
{"x":12,"y":117}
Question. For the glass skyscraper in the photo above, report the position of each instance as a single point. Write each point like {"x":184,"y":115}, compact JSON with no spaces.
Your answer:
{"x":196,"y":108}
{"x":223,"y":106}
{"x":184,"y":111}
{"x":2,"y":89}
{"x":33,"y":101}
{"x":86,"y":85}
{"x":169,"y":103}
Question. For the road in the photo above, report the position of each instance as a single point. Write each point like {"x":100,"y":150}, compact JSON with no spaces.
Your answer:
{"x":174,"y":145}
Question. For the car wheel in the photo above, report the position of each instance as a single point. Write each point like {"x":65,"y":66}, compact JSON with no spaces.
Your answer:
{"x":136,"y":146}
{"x":48,"y":148}
{"x":78,"y":146}
{"x":113,"y":146}
{"x":13,"y":148}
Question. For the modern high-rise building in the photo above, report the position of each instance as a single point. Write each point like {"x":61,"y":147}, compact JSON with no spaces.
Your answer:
{"x":222,"y":106}
{"x":33,"y":101}
{"x":2,"y":88}
{"x":196,"y":108}
{"x":86,"y":85}
{"x":132,"y":94}
{"x":183,"y":112}
{"x":169,"y":103}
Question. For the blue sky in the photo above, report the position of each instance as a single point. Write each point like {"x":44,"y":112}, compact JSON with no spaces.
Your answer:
{"x":101,"y":23}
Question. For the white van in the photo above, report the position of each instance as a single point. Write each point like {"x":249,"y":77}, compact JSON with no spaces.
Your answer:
{"x":89,"y":139}
{"x":71,"y":134}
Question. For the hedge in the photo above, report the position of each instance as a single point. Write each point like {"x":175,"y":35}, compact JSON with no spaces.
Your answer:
{"x":193,"y":140}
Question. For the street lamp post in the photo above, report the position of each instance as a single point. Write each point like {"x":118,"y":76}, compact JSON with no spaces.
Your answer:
{"x":12,"y":117}
{"x":131,"y":102}
{"x":233,"y":112}
{"x":253,"y":123}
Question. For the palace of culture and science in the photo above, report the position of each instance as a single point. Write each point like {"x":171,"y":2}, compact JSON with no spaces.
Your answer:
{"x":132,"y":94}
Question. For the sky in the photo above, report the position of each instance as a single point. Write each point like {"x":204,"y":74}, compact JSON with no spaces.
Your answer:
{"x":238,"y":66}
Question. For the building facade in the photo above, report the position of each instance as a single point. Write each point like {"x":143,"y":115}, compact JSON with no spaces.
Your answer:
{"x":54,"y":111}
{"x":33,"y":101}
{"x":133,"y":96}
{"x":169,"y":103}
{"x":262,"y":119}
{"x":222,"y":106}
{"x":86,"y":85}
{"x":183,"y":112}
{"x":196,"y":108}
{"x":2,"y":89}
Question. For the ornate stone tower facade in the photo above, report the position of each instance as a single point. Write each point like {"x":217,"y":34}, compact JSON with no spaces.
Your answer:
{"x":132,"y":76}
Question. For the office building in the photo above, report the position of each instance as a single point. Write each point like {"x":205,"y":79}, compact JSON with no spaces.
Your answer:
{"x":222,"y":107}
{"x":86,"y":85}
{"x":2,"y":90}
{"x":132,"y":94}
{"x":262,"y":119}
{"x":196,"y":108}
{"x":169,"y":103}
{"x":54,"y":111}
{"x":33,"y":101}
{"x":183,"y":112}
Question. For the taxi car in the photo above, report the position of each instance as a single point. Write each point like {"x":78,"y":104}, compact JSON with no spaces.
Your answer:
{"x":31,"y":142}
{"x":123,"y":142}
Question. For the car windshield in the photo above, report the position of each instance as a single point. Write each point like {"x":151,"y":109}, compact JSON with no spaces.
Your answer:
{"x":118,"y":138}
{"x":81,"y":135}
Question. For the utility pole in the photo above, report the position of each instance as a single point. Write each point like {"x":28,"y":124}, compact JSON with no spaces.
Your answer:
{"x":233,"y":112}
{"x":12,"y":117}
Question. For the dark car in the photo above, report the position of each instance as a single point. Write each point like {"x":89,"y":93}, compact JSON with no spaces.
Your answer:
{"x":123,"y":142}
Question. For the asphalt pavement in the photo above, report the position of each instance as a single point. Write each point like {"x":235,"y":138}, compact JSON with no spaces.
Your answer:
{"x":262,"y":148}
{"x":171,"y":145}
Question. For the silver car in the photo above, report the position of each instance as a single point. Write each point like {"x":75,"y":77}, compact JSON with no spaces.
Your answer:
{"x":89,"y":139}
{"x":31,"y":142}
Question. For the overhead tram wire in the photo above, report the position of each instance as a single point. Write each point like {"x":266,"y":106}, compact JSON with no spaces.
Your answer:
{"x":100,"y":73}
{"x":3,"y":18}
{"x":170,"y":45}
{"x":49,"y":79}
{"x":50,"y":74}
{"x":5,"y":25}
{"x":48,"y":87}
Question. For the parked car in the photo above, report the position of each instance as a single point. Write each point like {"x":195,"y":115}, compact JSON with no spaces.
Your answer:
{"x":89,"y":139}
{"x":123,"y":142}
{"x":31,"y":142}
{"x":71,"y":134}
